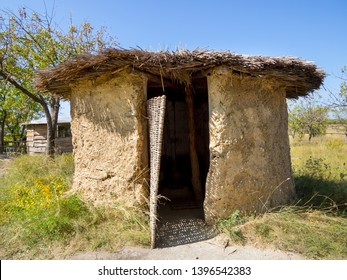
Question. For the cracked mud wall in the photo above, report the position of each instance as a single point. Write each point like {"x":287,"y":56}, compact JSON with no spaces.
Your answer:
{"x":250,"y":167}
{"x":109,"y":130}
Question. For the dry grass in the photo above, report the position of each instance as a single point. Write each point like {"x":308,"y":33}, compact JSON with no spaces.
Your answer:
{"x":314,"y":234}
{"x":39,"y":221}
{"x":332,"y":148}
{"x":301,"y":77}
{"x":316,"y":225}
{"x":312,"y":227}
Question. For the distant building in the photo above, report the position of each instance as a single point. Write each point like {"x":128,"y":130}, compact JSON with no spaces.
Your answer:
{"x":36,"y":141}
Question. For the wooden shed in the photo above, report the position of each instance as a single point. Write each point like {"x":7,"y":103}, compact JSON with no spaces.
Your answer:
{"x":194,"y":126}
{"x":36,"y":140}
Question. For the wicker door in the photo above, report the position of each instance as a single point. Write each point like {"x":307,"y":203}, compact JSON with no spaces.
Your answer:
{"x":156,"y":114}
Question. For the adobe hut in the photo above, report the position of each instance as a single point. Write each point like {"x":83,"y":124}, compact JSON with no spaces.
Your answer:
{"x":201,"y":125}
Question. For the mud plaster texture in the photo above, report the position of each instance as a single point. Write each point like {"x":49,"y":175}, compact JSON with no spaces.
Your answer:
{"x":109,"y":137}
{"x":249,"y":147}
{"x":250,"y":166}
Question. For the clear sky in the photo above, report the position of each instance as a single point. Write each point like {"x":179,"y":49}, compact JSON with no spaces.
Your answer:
{"x":314,"y":30}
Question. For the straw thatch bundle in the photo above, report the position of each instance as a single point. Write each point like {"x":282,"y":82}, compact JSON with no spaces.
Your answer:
{"x":300,"y":77}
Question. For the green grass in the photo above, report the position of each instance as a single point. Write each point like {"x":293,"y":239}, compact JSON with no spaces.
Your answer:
{"x":316,"y":224}
{"x":312,"y":233}
{"x":320,"y":172}
{"x":38,"y":219}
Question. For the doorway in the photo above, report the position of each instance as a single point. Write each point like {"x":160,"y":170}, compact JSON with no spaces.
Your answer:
{"x":177,"y":197}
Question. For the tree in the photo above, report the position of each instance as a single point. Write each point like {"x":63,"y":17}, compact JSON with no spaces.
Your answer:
{"x":339,"y":101}
{"x":306,"y":117}
{"x":30,"y":41}
{"x":3,"y":116}
{"x":343,"y":87}
{"x":15,"y":109}
{"x":316,"y":121}
{"x":295,"y":122}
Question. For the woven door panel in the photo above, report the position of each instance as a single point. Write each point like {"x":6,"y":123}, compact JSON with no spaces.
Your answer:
{"x":156,"y":114}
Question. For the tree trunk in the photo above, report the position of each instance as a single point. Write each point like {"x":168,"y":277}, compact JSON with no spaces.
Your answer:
{"x":54,"y":112}
{"x":51,"y":115}
{"x":52,"y":119}
{"x":2,"y":132}
{"x":22,"y":143}
{"x":196,"y":182}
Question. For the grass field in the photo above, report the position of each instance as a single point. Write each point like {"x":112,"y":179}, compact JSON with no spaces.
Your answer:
{"x":316,"y":224}
{"x":40,"y":220}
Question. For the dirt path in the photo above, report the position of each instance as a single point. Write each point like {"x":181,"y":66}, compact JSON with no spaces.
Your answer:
{"x":213,"y":249}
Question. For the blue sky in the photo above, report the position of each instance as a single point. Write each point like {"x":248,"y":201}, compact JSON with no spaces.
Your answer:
{"x":313,"y":30}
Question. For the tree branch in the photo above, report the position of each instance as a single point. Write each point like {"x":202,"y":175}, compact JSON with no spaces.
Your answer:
{"x":21,"y":25}
{"x":7,"y":78}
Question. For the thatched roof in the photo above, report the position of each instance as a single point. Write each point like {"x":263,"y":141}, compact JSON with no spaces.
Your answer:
{"x":299,"y":76}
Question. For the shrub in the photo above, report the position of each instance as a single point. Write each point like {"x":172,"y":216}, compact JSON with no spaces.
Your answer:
{"x":316,"y":168}
{"x":317,"y":185}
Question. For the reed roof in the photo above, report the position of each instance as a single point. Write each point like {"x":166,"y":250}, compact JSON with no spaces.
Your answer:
{"x":300,"y":77}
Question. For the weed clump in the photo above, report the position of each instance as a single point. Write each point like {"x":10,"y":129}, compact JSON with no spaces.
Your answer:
{"x":230,"y":227}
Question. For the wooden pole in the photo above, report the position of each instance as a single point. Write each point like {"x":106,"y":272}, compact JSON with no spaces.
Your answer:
{"x":196,"y":182}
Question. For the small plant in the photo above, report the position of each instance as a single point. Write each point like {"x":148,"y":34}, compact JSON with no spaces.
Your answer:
{"x":320,"y":185}
{"x":230,"y":226}
{"x":316,"y":168}
{"x":334,"y":144}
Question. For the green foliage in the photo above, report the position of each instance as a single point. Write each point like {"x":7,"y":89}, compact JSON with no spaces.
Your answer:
{"x":30,"y":41}
{"x":322,"y":236}
{"x":230,"y":224}
{"x":296,"y":124}
{"x":316,"y":168}
{"x":334,"y":144}
{"x":15,"y":109}
{"x":307,"y":118}
{"x":343,"y":86}
{"x":37,"y":213}
{"x":26,"y":170}
{"x":338,"y":100}
{"x":320,"y":185}
{"x":32,"y":198}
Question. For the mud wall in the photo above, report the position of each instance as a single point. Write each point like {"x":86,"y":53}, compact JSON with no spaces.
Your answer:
{"x":250,"y":166}
{"x":109,"y":131}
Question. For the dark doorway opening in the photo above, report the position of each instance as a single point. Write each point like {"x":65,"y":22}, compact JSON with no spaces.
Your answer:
{"x":178,"y":203}
{"x":175,"y":169}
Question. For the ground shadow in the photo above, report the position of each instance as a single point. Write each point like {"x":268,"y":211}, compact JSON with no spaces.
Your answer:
{"x":180,"y":224}
{"x":321,"y":193}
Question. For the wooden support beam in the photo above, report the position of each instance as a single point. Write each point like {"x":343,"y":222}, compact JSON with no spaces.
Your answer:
{"x":196,"y":182}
